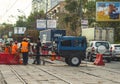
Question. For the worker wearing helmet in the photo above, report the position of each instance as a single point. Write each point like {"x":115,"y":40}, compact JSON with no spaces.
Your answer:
{"x":24,"y":50}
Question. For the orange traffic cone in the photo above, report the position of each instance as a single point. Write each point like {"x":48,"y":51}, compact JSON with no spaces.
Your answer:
{"x":53,"y":57}
{"x":20,"y":61}
{"x":99,"y":60}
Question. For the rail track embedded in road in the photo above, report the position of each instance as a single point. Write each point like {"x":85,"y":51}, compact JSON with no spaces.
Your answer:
{"x":29,"y":74}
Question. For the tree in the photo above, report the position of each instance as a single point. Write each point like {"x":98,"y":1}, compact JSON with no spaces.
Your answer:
{"x":30,"y":24}
{"x":21,"y":22}
{"x":31,"y":21}
{"x":70,"y":20}
{"x":5,"y":29}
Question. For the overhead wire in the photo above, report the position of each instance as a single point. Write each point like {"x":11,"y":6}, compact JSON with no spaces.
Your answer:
{"x":9,"y":8}
{"x":29,"y":4}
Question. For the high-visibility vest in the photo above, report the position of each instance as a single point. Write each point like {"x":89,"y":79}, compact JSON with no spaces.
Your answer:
{"x":24,"y":47}
{"x":7,"y":50}
{"x":14,"y":49}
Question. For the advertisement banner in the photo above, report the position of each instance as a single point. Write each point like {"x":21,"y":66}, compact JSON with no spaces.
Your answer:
{"x":107,"y":11}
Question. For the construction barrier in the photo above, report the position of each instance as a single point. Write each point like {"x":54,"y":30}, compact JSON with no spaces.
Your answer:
{"x":45,"y":52}
{"x":9,"y":58}
{"x":99,"y":60}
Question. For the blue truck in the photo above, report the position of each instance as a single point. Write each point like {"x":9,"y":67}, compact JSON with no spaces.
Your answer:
{"x":50,"y":35}
{"x":72,"y":48}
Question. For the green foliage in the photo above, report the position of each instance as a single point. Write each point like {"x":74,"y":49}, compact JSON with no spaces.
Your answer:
{"x":107,"y":0}
{"x":29,"y":23}
{"x":71,"y":6}
{"x":21,"y":21}
{"x":5,"y":29}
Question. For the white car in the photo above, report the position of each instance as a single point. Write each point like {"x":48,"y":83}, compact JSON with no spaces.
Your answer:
{"x":115,"y":51}
{"x":92,"y":50}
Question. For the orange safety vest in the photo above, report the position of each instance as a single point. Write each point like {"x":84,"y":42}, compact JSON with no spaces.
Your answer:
{"x":14,"y":49}
{"x":24,"y":46}
{"x":7,"y":50}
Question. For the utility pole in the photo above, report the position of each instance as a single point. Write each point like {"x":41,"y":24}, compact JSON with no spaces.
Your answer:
{"x":80,"y":12}
{"x":46,"y":12}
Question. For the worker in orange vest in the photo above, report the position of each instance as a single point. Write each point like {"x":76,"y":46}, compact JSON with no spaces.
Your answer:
{"x":14,"y":48}
{"x":24,"y":50}
{"x":7,"y":48}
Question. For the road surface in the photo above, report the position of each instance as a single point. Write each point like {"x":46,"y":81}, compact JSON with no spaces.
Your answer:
{"x":58,"y":72}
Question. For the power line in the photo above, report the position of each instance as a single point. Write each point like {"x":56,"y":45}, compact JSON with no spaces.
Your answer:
{"x":9,"y":8}
{"x":27,"y":7}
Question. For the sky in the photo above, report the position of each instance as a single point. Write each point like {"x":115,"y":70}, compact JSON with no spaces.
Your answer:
{"x":11,"y":9}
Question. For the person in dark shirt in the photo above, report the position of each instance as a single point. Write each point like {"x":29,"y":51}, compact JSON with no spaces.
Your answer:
{"x":38,"y":50}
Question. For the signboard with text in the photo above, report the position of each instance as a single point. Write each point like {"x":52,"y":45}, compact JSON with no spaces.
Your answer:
{"x":84,"y":23}
{"x":19,"y":30}
{"x":43,"y":24}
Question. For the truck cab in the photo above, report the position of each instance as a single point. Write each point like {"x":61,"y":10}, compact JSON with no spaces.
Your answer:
{"x":72,"y":48}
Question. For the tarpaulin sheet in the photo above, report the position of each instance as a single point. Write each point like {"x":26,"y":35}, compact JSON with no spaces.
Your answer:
{"x":9,"y":58}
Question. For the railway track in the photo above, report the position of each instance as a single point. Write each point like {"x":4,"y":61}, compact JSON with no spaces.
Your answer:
{"x":49,"y":74}
{"x":112,"y":75}
{"x":17,"y":75}
{"x":100,"y":76}
{"x":35,"y":75}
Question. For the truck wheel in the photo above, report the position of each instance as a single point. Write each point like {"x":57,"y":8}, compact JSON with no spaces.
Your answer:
{"x":74,"y":61}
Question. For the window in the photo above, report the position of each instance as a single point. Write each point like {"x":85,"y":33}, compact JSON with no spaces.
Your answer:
{"x":102,"y":43}
{"x":66,"y":43}
{"x":76,"y":43}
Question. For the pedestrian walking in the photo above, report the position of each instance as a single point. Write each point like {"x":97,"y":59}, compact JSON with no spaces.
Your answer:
{"x":24,"y":50}
{"x":38,"y":52}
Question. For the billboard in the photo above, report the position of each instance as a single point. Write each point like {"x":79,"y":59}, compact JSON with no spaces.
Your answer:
{"x":107,"y":11}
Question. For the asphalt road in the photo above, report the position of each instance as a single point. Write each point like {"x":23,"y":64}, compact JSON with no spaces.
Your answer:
{"x":58,"y":72}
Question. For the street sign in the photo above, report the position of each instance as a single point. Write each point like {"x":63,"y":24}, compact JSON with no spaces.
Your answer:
{"x":19,"y":30}
{"x":43,"y":24}
{"x":51,"y":23}
{"x":84,"y":23}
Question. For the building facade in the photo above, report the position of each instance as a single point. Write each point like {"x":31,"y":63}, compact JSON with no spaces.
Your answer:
{"x":45,"y":5}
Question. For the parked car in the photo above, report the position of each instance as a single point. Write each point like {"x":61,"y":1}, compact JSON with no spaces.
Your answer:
{"x":115,"y":51}
{"x":92,"y":50}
